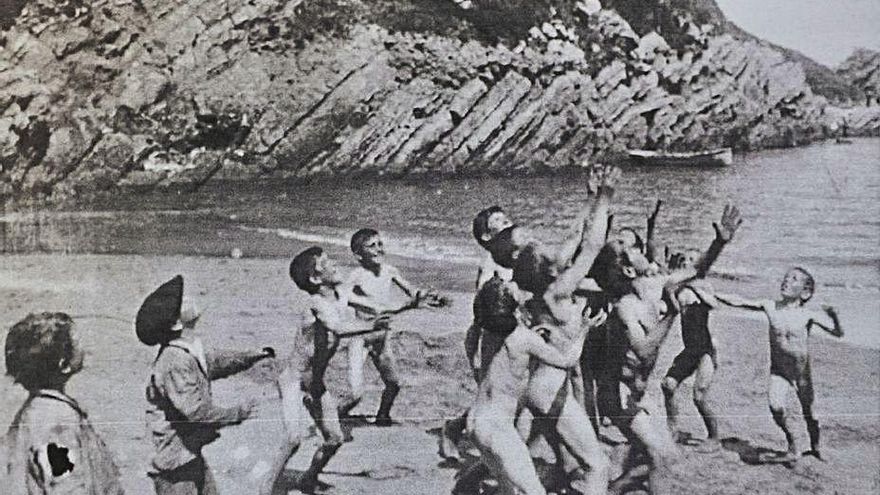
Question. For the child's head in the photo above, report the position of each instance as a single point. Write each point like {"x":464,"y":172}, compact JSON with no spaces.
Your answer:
{"x":534,"y":269}
{"x":616,"y":266}
{"x":489,"y":223}
{"x":507,"y":244}
{"x":631,"y":238}
{"x":43,"y":351}
{"x":684,"y":259}
{"x":312,"y":269}
{"x":798,"y":284}
{"x":496,"y":303}
{"x":165,"y":313}
{"x":367,"y":246}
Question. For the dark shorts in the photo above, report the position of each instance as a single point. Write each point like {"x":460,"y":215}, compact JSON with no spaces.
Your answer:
{"x":686,"y":363}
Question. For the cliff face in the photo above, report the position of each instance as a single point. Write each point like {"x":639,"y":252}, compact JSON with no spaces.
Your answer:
{"x":862,"y":70}
{"x":98,"y":95}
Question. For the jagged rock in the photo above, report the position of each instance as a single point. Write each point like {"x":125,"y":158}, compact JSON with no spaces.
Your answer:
{"x":99,"y":95}
{"x":862,"y":70}
{"x":649,"y":46}
{"x":589,"y":7}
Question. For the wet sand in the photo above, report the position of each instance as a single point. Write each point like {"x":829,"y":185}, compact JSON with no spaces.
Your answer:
{"x":252,"y":303}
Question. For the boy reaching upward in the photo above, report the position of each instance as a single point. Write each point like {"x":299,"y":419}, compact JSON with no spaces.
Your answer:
{"x":636,"y":331}
{"x":695,"y":300}
{"x":373,"y":288}
{"x":491,"y":420}
{"x":790,"y":324}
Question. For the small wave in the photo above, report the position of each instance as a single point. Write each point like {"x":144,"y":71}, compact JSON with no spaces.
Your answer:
{"x":29,"y":216}
{"x":414,"y":248}
{"x":735,"y":275}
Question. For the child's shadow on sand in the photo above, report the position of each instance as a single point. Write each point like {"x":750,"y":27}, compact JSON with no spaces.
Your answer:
{"x":291,"y":479}
{"x":755,"y":455}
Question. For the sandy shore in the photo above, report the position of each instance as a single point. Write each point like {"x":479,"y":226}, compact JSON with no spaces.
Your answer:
{"x":251,"y":303}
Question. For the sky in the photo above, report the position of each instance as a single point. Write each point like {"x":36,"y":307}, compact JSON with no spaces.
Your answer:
{"x":824,"y":30}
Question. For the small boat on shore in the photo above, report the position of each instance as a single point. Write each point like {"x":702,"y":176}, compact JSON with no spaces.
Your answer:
{"x":720,"y":157}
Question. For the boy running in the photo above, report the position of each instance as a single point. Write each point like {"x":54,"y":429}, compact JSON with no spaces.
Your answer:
{"x":790,"y":324}
{"x":51,"y":447}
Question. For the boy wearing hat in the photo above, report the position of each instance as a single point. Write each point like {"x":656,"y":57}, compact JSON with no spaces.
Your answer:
{"x":181,"y":416}
{"x":51,"y":446}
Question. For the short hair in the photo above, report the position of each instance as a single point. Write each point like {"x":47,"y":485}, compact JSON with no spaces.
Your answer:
{"x":639,"y":243}
{"x":360,"y":237}
{"x":677,"y":260}
{"x":533,"y":270}
{"x":302,"y":268}
{"x":504,"y":238}
{"x":495,"y":306}
{"x":481,"y":223}
{"x":36,"y":345}
{"x":606,"y":269}
{"x":809,"y":283}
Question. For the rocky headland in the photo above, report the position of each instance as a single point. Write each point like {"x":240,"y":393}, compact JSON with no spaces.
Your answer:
{"x":111,"y":95}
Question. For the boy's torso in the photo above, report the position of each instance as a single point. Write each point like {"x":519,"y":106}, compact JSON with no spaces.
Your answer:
{"x":789,"y":335}
{"x":379,"y":289}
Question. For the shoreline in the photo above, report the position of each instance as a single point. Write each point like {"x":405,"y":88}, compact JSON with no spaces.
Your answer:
{"x":250,"y":303}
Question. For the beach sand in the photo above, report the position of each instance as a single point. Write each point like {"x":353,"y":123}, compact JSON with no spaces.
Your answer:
{"x":250,"y":303}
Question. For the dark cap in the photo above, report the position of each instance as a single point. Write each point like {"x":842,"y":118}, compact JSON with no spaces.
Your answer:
{"x":160,"y":312}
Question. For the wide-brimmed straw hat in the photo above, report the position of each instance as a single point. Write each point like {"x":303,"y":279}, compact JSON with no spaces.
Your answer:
{"x":160,"y":312}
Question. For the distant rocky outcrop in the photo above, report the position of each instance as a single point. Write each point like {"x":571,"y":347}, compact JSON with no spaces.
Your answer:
{"x":100,"y":95}
{"x":862,"y":70}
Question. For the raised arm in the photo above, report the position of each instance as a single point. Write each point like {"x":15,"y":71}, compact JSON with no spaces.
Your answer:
{"x":650,"y":246}
{"x":724,"y":231}
{"x":834,"y":328}
{"x":587,"y":225}
{"x":591,"y":242}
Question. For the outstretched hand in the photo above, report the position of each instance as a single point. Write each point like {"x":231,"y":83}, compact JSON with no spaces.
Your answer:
{"x":603,"y":179}
{"x":730,"y":221}
{"x":268,"y":352}
{"x":429,"y":299}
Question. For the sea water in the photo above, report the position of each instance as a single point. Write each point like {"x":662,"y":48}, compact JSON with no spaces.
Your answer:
{"x":816,"y":206}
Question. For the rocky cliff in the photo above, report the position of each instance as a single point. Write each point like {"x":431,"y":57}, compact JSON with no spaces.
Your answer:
{"x":105,"y":94}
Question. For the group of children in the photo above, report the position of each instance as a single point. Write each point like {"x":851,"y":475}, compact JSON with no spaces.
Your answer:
{"x":557,"y":330}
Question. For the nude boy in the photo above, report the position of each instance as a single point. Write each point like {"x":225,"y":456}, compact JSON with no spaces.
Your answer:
{"x":790,"y":324}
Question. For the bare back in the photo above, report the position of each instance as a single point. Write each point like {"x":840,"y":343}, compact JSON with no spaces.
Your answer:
{"x":507,"y":375}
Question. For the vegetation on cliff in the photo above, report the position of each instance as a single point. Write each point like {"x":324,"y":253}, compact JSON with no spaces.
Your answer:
{"x":99,"y":95}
